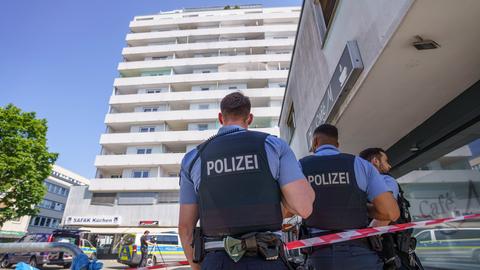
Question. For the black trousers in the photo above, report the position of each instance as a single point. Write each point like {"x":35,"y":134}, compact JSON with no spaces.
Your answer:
{"x":143,"y":259}
{"x":344,"y":256}
{"x":220,"y":260}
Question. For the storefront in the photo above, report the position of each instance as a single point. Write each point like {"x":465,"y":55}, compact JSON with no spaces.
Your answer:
{"x":366,"y":69}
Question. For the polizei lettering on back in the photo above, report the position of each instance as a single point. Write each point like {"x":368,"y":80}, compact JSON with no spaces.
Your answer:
{"x":333,"y":178}
{"x":232,"y":164}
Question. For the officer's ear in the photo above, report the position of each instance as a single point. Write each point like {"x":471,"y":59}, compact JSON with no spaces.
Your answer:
{"x":250,"y":119}
{"x":220,"y":118}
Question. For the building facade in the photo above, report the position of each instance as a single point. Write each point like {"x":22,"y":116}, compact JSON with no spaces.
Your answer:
{"x":176,"y":68}
{"x":402,"y":75}
{"x":51,"y":209}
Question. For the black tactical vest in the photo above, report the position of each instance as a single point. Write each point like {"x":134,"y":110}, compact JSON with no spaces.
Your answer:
{"x":237,"y":192}
{"x":339,"y":203}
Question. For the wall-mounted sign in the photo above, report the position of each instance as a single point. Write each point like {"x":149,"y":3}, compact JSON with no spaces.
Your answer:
{"x":346,"y":74}
{"x":93,"y":220}
{"x":148,"y":223}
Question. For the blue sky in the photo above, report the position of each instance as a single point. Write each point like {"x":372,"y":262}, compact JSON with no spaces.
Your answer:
{"x":58,"y":58}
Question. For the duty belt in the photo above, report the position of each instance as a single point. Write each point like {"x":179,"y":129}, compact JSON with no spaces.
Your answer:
{"x":268,"y":245}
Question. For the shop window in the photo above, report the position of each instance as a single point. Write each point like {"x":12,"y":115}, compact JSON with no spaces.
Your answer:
{"x":446,"y":186}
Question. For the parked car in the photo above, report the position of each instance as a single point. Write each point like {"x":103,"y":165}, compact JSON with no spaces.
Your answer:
{"x":35,"y":259}
{"x":167,"y":248}
{"x":449,"y":244}
{"x":39,"y":259}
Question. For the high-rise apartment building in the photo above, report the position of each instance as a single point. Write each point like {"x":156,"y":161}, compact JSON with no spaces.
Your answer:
{"x":176,"y":68}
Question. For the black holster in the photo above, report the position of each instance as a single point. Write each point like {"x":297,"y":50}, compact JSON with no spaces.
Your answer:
{"x":198,"y":245}
{"x":375,"y":243}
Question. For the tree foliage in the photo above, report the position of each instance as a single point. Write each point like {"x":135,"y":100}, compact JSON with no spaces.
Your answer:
{"x":24,"y":162}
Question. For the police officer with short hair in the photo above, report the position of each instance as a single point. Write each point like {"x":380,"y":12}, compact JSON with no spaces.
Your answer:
{"x":236,"y":183}
{"x":398,"y":248}
{"x":348,"y":190}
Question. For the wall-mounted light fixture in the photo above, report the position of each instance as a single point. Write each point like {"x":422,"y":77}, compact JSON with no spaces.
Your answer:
{"x":425,"y":44}
{"x":414,"y":148}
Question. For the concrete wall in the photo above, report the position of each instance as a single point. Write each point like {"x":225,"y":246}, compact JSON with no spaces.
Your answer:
{"x":371,"y":23}
{"x":79,"y":204}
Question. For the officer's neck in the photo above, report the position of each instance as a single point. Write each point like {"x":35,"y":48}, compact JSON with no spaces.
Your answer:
{"x":242,"y":124}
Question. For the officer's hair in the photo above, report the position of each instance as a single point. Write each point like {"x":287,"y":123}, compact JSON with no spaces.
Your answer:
{"x":235,"y":105}
{"x":145,"y":232}
{"x":326,"y":130}
{"x":370,"y":153}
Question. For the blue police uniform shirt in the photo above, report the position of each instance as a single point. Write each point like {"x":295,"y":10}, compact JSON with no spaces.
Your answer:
{"x":368,"y":178}
{"x":391,"y":184}
{"x":281,"y":160}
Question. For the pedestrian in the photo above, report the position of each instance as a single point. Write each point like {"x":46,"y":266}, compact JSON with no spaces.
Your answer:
{"x":144,"y":243}
{"x":347,"y":190}
{"x":236,"y":183}
{"x":399,"y":247}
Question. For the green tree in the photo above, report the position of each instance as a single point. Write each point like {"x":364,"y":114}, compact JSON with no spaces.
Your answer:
{"x":24,"y":162}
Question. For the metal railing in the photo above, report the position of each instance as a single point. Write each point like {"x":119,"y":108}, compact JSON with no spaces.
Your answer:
{"x":38,"y":247}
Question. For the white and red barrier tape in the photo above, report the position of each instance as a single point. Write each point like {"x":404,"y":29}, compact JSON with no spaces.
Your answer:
{"x":161,"y":265}
{"x":362,"y":233}
{"x":343,"y":236}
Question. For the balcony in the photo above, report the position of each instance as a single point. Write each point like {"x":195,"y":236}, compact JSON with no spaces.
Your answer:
{"x":193,"y":96}
{"x":203,"y":78}
{"x":138,"y":161}
{"x":139,"y":53}
{"x":180,"y":115}
{"x":136,"y":39}
{"x":133,"y":184}
{"x":166,"y":137}
{"x":136,"y":68}
{"x":147,"y":25}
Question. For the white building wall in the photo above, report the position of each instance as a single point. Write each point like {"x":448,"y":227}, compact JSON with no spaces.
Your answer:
{"x":183,"y":64}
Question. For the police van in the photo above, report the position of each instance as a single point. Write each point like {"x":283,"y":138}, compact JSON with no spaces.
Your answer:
{"x":434,"y":245}
{"x":166,"y":247}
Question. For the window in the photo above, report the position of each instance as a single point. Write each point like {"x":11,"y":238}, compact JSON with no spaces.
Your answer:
{"x":59,"y":206}
{"x":168,"y":197}
{"x":154,"y":91}
{"x":141,"y":174}
{"x":147,"y":129}
{"x":205,"y":71}
{"x":232,"y":87}
{"x":47,"y":222}
{"x":166,"y":240}
{"x":290,"y":123}
{"x":203,"y":106}
{"x":282,"y":85}
{"x":150,"y":109}
{"x":103,"y":198}
{"x":205,"y":88}
{"x":202,"y":127}
{"x":173,"y":174}
{"x":42,"y":222}
{"x":142,"y":151}
{"x":114,"y":176}
{"x":324,"y":11}
{"x":159,"y":57}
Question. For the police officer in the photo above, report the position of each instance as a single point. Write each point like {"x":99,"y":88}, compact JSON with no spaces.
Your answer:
{"x":398,"y":248}
{"x":236,"y":183}
{"x":347,"y":190}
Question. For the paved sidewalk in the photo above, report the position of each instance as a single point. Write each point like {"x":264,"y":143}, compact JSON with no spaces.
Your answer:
{"x":113,"y":264}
